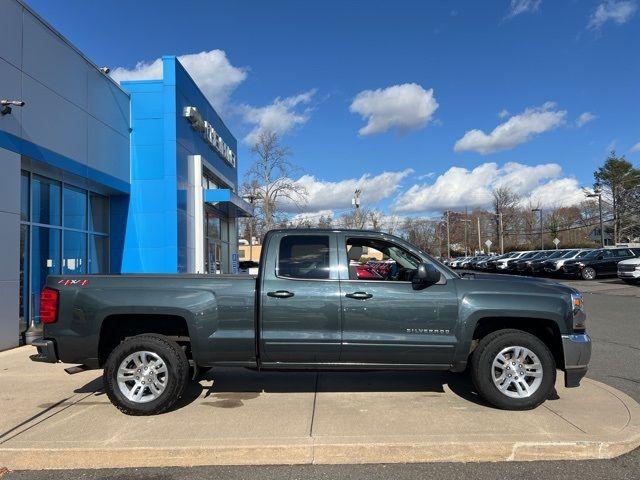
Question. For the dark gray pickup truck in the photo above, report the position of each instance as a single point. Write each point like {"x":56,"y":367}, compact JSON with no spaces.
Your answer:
{"x":324,"y":299}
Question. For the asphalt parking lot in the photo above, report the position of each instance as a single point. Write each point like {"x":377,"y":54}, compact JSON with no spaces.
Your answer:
{"x":614,"y":324}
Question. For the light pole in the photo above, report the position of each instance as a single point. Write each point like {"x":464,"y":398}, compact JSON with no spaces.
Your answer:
{"x":251,"y":198}
{"x":355,"y":201}
{"x":448,"y":238}
{"x":539,"y":210}
{"x":500,"y":232}
{"x":597,"y":192}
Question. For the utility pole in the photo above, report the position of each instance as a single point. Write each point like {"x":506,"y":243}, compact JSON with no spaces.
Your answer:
{"x":501,"y":234}
{"x":479,"y":239}
{"x":466,"y":221}
{"x":448,"y":238}
{"x":539,"y":210}
{"x":356,"y":204}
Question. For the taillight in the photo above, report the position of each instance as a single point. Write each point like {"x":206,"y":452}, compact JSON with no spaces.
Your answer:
{"x":48,"y":305}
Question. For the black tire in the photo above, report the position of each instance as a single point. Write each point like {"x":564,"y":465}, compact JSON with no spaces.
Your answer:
{"x":588,"y":273}
{"x":482,"y":368}
{"x":177,"y":373}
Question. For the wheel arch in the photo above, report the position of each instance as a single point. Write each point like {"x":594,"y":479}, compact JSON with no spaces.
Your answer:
{"x":118,"y":326}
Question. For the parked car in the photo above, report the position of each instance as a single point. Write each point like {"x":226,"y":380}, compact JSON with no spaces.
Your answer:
{"x":629,"y":270}
{"x":308,"y":310}
{"x":518,"y":265}
{"x":502,"y":265}
{"x":601,"y":262}
{"x":536,"y":266}
{"x":554,"y":265}
{"x":491,"y":264}
{"x":248,"y":267}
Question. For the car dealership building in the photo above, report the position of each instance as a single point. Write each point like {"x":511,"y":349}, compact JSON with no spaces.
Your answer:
{"x":104,"y":178}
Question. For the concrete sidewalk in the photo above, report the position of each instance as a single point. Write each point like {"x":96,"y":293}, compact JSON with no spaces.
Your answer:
{"x":50,"y":419}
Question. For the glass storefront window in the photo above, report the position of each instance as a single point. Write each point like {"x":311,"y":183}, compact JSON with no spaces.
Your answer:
{"x":45,"y":255}
{"x":98,"y":213}
{"x":46,"y":200}
{"x":75,"y":208}
{"x":98,"y":254}
{"x":24,"y":268}
{"x":24,"y":196}
{"x":213,"y":226}
{"x":75,"y":252}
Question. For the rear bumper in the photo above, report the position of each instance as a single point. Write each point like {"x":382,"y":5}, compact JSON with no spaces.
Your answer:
{"x":577,"y":353}
{"x":46,"y":351}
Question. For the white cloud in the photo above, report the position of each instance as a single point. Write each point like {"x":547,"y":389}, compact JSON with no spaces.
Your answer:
{"x":518,"y":7}
{"x":279,"y":117}
{"x":311,"y":217}
{"x":211,"y":70}
{"x":504,"y":113}
{"x":326,"y":195}
{"x":618,"y":12}
{"x":518,"y":129}
{"x":584,"y":118}
{"x":404,"y":107}
{"x":459,"y":187}
{"x":635,"y":148}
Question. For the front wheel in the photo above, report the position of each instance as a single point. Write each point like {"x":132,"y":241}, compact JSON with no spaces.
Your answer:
{"x":588,"y":273}
{"x":513,"y":370}
{"x":146,"y":374}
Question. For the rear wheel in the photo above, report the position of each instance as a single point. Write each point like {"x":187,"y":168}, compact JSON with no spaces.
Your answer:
{"x":588,"y":273}
{"x":513,"y":370}
{"x":146,"y":374}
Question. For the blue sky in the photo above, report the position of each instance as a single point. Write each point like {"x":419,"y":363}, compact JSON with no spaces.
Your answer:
{"x":423,"y":105}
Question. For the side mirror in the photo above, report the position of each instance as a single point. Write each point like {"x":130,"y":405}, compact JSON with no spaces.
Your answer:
{"x":426,"y":274}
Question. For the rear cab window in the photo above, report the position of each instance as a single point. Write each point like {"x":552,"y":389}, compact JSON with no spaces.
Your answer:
{"x":304,"y":257}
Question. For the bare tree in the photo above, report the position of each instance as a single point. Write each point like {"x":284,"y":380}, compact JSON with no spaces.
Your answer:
{"x":269,"y":180}
{"x":505,"y":202}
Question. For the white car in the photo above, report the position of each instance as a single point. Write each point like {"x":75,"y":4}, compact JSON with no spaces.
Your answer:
{"x":554,"y":266}
{"x":502,"y":263}
{"x":629,"y":270}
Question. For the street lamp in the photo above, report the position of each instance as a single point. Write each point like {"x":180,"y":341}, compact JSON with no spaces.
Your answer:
{"x":597,"y":192}
{"x":539,"y":210}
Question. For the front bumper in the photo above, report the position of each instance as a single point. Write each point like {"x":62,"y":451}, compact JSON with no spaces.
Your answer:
{"x":577,"y":353}
{"x":571,"y":269}
{"x":626,"y":274}
{"x":46,"y":351}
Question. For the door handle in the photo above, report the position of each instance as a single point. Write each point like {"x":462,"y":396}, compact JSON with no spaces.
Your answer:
{"x":359,"y":295}
{"x":280,"y":294}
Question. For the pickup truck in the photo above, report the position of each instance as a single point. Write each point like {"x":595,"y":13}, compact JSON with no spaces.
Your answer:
{"x":308,"y":309}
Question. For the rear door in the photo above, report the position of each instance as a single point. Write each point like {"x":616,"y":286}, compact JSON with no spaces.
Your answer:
{"x":300,"y":299}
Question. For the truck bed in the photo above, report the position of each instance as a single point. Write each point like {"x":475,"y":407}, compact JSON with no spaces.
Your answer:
{"x":217,"y":312}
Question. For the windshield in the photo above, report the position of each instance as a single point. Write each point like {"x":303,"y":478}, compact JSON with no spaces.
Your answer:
{"x":592,"y":254}
{"x":557,"y":254}
{"x":584,"y":253}
{"x":570,"y":253}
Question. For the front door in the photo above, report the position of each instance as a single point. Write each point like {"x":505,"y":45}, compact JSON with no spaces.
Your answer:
{"x":384,"y":319}
{"x":300,"y":300}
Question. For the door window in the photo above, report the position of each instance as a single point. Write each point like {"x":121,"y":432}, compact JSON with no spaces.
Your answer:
{"x":304,"y":256}
{"x":375,"y":259}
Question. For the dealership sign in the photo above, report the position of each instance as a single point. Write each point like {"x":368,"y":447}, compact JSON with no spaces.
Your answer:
{"x":209,"y":134}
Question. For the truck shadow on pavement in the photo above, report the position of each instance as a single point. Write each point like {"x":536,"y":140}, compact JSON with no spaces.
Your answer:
{"x":225,"y":388}
{"x":231,"y":388}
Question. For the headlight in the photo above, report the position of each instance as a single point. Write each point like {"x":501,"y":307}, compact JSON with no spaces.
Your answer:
{"x":580,"y":264}
{"x":637,"y":267}
{"x":577,"y":305}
